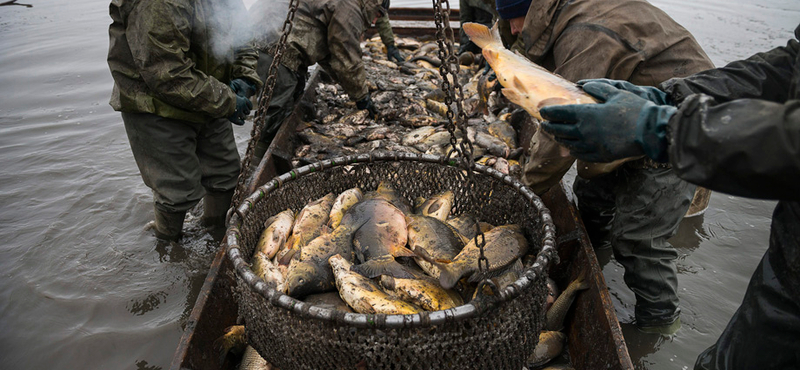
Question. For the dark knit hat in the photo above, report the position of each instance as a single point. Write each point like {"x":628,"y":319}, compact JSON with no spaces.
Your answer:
{"x":510,"y":9}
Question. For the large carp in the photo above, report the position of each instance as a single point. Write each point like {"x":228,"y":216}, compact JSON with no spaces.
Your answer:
{"x":362,"y":294}
{"x":524,"y":83}
{"x":311,"y":273}
{"x":276,"y":233}
{"x":532,"y":87}
{"x":503,"y":246}
{"x":381,"y":235}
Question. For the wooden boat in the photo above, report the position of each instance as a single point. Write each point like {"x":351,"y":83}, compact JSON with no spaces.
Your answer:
{"x":595,"y":337}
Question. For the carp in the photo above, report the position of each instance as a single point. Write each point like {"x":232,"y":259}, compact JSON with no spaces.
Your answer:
{"x":381,"y":236}
{"x":234,"y":340}
{"x":268,"y":271}
{"x":439,"y":240}
{"x":524,"y":83}
{"x":503,"y":246}
{"x":330,"y":300}
{"x":389,"y":193}
{"x":310,"y":220}
{"x":276,"y":232}
{"x":558,"y":311}
{"x":552,"y":294}
{"x":465,"y":225}
{"x":421,"y":290}
{"x":251,"y":360}
{"x":343,"y":202}
{"x":551,"y":344}
{"x":363,"y":295}
{"x":416,"y":136}
{"x":437,"y":206}
{"x":311,"y":273}
{"x":503,"y":131}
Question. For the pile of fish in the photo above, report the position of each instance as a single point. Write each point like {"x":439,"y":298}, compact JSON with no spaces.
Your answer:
{"x":374,"y":252}
{"x":382,"y":254}
{"x":412,"y":112}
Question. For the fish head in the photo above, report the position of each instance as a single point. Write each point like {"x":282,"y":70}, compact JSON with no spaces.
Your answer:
{"x":300,"y":279}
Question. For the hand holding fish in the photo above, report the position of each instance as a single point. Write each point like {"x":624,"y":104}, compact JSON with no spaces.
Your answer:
{"x":623,"y":125}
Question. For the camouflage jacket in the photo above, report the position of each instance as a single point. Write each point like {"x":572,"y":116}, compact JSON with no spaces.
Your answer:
{"x":327,"y":32}
{"x":618,"y":39}
{"x":170,"y":58}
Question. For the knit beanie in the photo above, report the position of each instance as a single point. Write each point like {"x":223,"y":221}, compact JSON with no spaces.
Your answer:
{"x":510,"y":9}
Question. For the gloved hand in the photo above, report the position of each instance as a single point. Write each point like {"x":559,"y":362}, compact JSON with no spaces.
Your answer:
{"x":623,"y":125}
{"x":243,"y":107}
{"x":242,"y":87}
{"x":646,"y":92}
{"x":367,"y":104}
{"x":394,"y":55}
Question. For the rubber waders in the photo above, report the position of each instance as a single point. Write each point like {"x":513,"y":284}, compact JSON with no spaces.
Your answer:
{"x":168,"y":225}
{"x":215,"y":208}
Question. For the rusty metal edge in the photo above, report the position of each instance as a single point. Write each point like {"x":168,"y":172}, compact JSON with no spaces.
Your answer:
{"x":593,"y":316}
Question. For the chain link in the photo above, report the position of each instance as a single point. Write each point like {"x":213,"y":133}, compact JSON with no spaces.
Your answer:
{"x":263,"y":104}
{"x":454,"y":93}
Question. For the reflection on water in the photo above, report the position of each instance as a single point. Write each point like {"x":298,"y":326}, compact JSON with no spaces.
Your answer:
{"x":85,"y":287}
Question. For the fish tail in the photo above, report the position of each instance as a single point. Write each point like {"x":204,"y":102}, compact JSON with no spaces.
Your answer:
{"x":385,"y":265}
{"x":448,"y":277}
{"x":480,"y":34}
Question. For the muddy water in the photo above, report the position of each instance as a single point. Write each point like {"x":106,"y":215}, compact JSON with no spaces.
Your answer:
{"x":84,"y":287}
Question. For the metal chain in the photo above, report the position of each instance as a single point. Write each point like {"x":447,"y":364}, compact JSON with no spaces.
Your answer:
{"x":454,"y":92}
{"x":263,"y":104}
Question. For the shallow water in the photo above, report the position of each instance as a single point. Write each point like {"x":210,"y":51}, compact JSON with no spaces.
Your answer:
{"x":84,"y":286}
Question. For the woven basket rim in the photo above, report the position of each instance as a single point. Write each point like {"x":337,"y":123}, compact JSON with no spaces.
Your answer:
{"x":385,"y":321}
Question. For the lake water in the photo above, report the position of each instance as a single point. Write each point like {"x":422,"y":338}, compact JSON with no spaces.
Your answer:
{"x":83,"y":285}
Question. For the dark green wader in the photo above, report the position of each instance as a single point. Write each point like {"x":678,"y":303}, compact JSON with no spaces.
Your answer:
{"x":634,"y":211}
{"x":289,"y":86}
{"x":184,"y":162}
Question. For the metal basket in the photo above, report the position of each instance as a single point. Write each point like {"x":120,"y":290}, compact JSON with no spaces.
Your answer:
{"x":494,"y":331}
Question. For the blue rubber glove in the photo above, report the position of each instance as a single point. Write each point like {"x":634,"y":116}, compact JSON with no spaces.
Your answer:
{"x":647,"y":92}
{"x":623,"y":125}
{"x":243,"y":107}
{"x":242,"y":87}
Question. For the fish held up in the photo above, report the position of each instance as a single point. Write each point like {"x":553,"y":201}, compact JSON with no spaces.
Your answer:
{"x":524,"y":83}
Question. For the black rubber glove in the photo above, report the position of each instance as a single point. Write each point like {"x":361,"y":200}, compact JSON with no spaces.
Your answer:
{"x":243,"y":88}
{"x":367,"y":104}
{"x":243,"y":107}
{"x":394,"y":55}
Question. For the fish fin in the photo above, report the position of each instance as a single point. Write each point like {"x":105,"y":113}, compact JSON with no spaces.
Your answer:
{"x":492,"y":272}
{"x":481,"y":35}
{"x":286,"y":256}
{"x":402,"y":252}
{"x":448,"y":277}
{"x":384,"y":265}
{"x":553,"y":101}
{"x":519,"y":99}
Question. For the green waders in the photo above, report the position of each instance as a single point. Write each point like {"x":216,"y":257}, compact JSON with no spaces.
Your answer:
{"x":183,"y":162}
{"x":634,"y":211}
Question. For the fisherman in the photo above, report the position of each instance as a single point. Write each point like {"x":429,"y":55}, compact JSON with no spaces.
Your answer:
{"x":736,"y":130}
{"x":327,"y":32}
{"x":635,"y":208}
{"x":475,"y":11}
{"x":387,"y":36}
{"x":179,"y":82}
